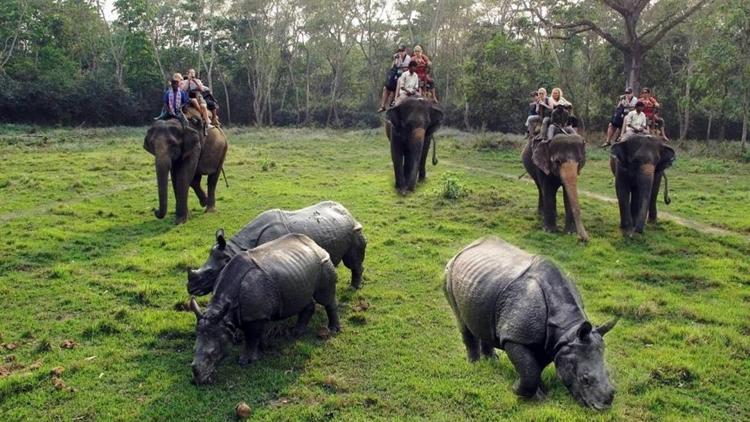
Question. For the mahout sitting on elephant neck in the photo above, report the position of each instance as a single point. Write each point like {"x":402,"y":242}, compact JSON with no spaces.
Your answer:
{"x":277,"y":280}
{"x":328,"y":223}
{"x":505,"y":298}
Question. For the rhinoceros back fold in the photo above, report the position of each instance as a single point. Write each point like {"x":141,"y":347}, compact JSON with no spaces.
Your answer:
{"x":478,"y":276}
{"x":291,"y":265}
{"x":327,"y":223}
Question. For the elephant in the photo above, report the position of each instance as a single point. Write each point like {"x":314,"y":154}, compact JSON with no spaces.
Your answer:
{"x":187,"y":155}
{"x":410,"y":127}
{"x":638,"y":164}
{"x":552,"y":164}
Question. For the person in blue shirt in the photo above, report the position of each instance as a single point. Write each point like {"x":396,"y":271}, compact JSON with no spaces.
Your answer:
{"x":173,"y":100}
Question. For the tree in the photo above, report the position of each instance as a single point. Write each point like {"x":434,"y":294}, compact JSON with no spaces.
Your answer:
{"x":623,"y":34}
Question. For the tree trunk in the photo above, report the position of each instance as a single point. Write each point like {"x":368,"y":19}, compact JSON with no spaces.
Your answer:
{"x":745,"y":116}
{"x":685,"y":122}
{"x":226,"y":98}
{"x":708,"y":129}
{"x":633,"y":62}
{"x":307,"y":87}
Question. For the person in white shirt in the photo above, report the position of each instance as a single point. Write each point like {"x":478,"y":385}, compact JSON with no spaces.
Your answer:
{"x":635,"y":122}
{"x":400,"y":61}
{"x":408,"y":84}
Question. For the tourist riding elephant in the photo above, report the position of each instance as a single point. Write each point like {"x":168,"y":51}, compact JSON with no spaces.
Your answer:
{"x":552,"y":164}
{"x":638,"y":164}
{"x":187,"y":155}
{"x":409,"y":127}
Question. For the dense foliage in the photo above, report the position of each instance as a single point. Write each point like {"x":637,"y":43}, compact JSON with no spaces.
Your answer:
{"x":295,"y":62}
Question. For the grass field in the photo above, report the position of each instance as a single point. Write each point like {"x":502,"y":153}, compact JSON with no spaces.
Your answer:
{"x":82,"y":258}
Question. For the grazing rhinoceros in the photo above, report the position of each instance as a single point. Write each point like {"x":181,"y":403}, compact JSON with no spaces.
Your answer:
{"x":506,"y":298}
{"x":328,"y":223}
{"x":274,"y":281}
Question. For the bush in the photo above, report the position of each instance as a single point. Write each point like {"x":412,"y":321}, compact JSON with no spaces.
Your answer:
{"x":451,"y":187}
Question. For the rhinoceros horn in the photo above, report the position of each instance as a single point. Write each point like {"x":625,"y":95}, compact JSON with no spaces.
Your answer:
{"x":604,"y":328}
{"x":195,"y":308}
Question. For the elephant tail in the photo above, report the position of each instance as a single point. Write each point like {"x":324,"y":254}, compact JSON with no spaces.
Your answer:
{"x":434,"y":152}
{"x":225,"y":177}
{"x":667,"y":199}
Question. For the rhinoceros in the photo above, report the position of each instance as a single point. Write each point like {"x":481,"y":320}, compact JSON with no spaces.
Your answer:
{"x":328,"y":223}
{"x":505,"y":298}
{"x":274,"y":281}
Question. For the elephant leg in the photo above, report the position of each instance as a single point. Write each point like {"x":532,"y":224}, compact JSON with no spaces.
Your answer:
{"x":570,"y":224}
{"x":196,"y":185}
{"x":423,"y":160}
{"x":540,"y":202}
{"x":414,"y":155}
{"x":471,"y":342}
{"x":622,"y":188}
{"x":529,"y":371}
{"x":354,"y":258}
{"x":213,"y":180}
{"x":654,"y":198}
{"x":397,"y":156}
{"x":180,"y":186}
{"x":303,"y":318}
{"x":549,"y":207}
{"x":253,"y":335}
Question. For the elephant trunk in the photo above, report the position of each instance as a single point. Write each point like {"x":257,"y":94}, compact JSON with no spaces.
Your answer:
{"x":162,"y":179}
{"x":643,"y":195}
{"x":569,"y":177}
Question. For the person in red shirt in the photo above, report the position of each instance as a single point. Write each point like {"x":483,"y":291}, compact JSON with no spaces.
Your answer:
{"x":423,"y":62}
{"x":649,"y":104}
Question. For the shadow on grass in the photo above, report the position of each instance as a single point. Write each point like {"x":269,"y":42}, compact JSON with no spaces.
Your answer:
{"x":264,"y":385}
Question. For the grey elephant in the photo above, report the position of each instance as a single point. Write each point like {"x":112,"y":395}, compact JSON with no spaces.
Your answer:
{"x":328,"y":223}
{"x":410,"y":127}
{"x":554,"y":163}
{"x":638,"y":164}
{"x":277,"y":280}
{"x":505,"y":298}
{"x":186,"y":155}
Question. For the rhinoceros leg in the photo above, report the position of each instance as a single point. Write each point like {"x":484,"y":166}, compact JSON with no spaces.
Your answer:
{"x":487,"y":349}
{"x":528,"y":369}
{"x":354,"y":258}
{"x":303,"y":318}
{"x":326,"y":295}
{"x":471,"y":343}
{"x":253,"y":335}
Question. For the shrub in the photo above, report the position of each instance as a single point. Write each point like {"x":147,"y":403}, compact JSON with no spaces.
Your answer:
{"x":451,"y":187}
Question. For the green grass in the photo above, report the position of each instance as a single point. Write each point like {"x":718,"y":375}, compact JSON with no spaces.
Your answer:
{"x":83,"y":259}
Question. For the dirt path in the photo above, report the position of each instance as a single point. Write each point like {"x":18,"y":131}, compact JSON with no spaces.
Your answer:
{"x":692,"y":224}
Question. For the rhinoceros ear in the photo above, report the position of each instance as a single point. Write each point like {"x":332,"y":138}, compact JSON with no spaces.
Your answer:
{"x":584,"y":330}
{"x":195,"y":308}
{"x":220,"y":240}
{"x":604,"y":328}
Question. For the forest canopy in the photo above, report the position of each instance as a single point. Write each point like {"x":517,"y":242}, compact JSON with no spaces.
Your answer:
{"x":323,"y":62}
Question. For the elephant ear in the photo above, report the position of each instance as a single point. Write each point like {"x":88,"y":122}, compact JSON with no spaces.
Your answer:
{"x":436,"y":119}
{"x":619,"y":152}
{"x":540,"y":156}
{"x":666,"y":157}
{"x":394,"y":116}
{"x":190,"y":141}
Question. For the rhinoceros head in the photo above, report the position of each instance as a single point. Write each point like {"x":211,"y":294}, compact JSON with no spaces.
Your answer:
{"x":581,"y":367}
{"x":202,"y":280}
{"x":211,"y":343}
